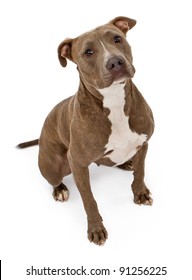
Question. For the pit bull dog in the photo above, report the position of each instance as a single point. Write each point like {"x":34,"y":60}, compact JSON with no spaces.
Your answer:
{"x":107,"y":121}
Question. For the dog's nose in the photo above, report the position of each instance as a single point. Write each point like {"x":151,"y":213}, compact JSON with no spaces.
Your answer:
{"x":115,"y":63}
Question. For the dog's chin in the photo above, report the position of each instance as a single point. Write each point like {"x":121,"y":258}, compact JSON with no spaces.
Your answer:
{"x":120,"y":81}
{"x":122,"y":77}
{"x":118,"y":78}
{"x":113,"y":82}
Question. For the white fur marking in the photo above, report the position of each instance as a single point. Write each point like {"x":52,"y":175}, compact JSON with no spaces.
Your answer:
{"x":106,"y":52}
{"x":122,"y":140}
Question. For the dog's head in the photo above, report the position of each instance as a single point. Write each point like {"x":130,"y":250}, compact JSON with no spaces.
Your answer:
{"x":103,"y":55}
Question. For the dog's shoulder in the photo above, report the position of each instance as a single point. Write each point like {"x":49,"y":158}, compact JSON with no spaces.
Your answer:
{"x":141,"y":117}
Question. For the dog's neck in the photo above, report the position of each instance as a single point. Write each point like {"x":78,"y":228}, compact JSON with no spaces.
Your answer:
{"x":110,"y":92}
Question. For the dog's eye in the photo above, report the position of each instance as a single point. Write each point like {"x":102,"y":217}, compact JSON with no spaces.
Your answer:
{"x":89,"y":52}
{"x":117,"y":39}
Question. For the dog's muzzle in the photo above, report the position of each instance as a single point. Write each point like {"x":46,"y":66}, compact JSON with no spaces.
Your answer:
{"x":119,"y":68}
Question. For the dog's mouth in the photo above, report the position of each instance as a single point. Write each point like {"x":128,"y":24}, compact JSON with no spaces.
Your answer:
{"x":112,"y":76}
{"x":116,"y":78}
{"x":119,"y":70}
{"x":123,"y":76}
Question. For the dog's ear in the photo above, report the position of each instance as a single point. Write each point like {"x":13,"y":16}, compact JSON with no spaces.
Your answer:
{"x":64,"y":51}
{"x":123,"y":23}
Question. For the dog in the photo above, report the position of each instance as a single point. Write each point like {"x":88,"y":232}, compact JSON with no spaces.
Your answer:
{"x":107,"y":121}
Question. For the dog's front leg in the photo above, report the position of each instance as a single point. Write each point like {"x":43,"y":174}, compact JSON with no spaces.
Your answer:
{"x":140,"y":191}
{"x":96,"y":231}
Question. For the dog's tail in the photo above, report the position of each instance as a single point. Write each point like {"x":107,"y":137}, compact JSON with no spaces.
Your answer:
{"x":28,"y":144}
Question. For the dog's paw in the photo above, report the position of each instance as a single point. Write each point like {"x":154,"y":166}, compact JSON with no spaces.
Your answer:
{"x":143,"y":197}
{"x":61,"y":193}
{"x":97,"y":234}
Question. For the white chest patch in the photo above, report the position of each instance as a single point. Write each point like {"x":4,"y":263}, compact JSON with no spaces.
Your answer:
{"x":122,"y":141}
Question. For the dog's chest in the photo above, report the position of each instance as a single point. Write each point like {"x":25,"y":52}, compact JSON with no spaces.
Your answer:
{"x":122,"y":142}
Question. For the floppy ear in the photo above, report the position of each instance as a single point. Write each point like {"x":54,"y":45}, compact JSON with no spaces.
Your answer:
{"x":64,"y":51}
{"x":123,"y":23}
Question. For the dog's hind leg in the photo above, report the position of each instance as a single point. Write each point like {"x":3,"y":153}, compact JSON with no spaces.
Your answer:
{"x":54,"y":169}
{"x":61,"y":193}
{"x":128,"y":165}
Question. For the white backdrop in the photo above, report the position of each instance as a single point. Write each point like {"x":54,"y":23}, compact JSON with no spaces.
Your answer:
{"x":37,"y":231}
